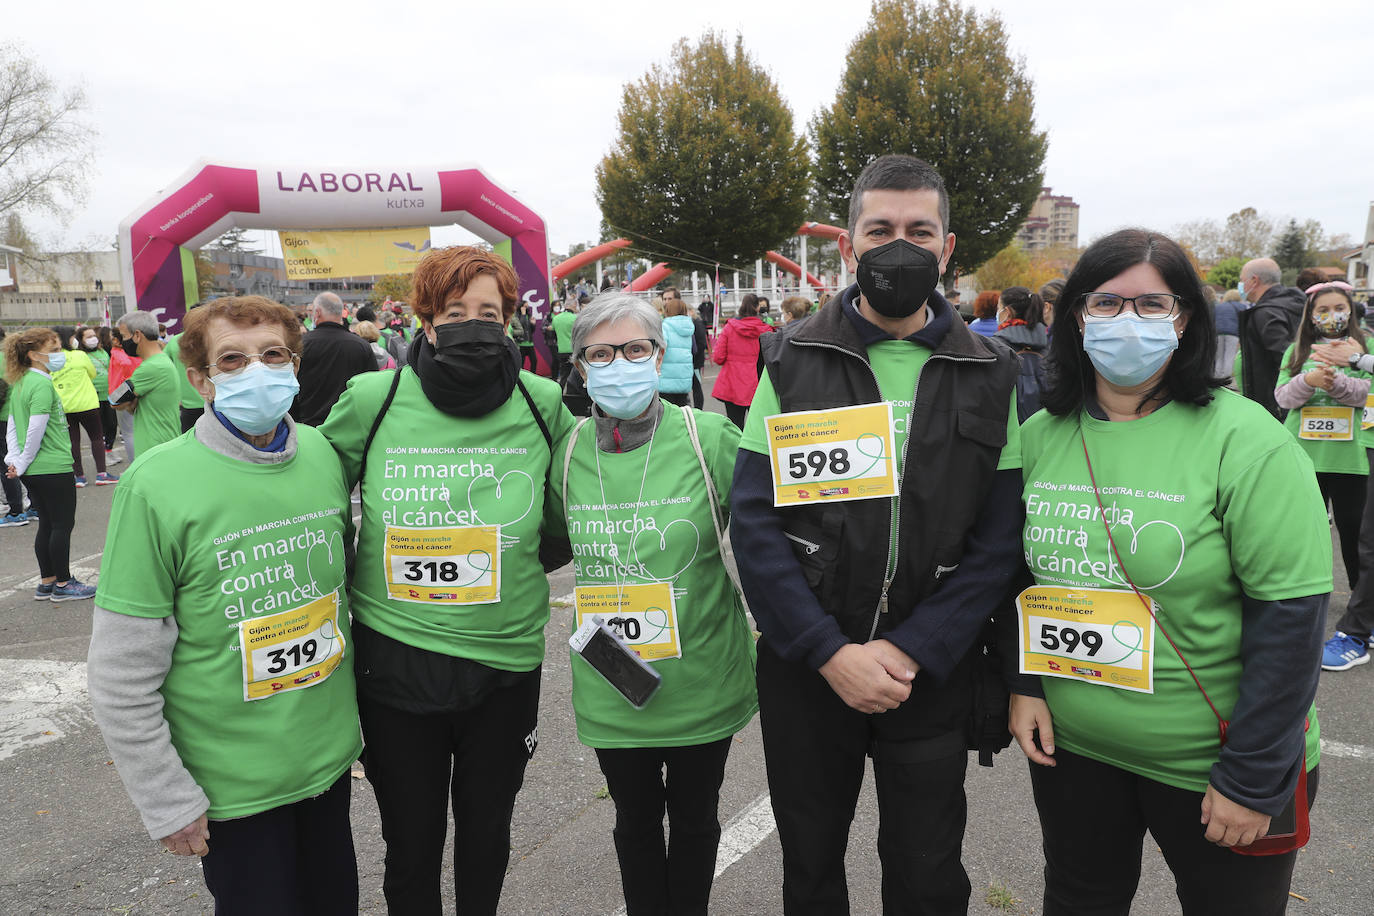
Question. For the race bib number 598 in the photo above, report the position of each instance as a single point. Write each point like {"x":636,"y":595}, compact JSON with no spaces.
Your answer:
{"x":832,"y":455}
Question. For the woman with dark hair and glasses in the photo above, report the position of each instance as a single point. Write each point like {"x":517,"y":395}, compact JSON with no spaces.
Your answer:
{"x":1164,"y":604}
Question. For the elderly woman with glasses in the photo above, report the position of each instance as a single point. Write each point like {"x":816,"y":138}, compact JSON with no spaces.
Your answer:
{"x":1176,"y":636}
{"x":646,"y":489}
{"x":221,"y":658}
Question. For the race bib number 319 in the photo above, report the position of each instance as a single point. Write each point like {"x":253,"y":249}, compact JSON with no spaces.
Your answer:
{"x":444,"y":565}
{"x":292,"y":650}
{"x":832,"y":455}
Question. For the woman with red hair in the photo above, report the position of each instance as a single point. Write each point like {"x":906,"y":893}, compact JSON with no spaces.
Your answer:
{"x":985,"y":312}
{"x":449,"y":599}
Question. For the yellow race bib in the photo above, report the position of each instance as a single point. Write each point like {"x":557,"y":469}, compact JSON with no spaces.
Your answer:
{"x":443,"y":565}
{"x":292,"y":650}
{"x":1097,"y":635}
{"x":832,"y":455}
{"x":1329,"y":424}
{"x":644,"y":615}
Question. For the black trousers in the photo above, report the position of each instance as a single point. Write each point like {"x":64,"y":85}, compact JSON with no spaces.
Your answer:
{"x":53,"y":496}
{"x":416,"y":763}
{"x":1345,"y":493}
{"x":14,"y":493}
{"x":814,"y":746}
{"x":674,"y":397}
{"x":109,"y":423}
{"x":564,"y":367}
{"x":736,"y":412}
{"x":1358,"y":619}
{"x":528,"y":359}
{"x":698,"y":395}
{"x":296,"y":860}
{"x":1093,"y":818}
{"x":672,"y":879}
{"x":95,"y":432}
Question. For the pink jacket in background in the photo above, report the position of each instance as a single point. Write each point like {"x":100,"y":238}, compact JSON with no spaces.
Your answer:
{"x":737,"y":352}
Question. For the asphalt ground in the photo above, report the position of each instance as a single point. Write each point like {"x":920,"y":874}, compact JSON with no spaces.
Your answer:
{"x":71,"y":842}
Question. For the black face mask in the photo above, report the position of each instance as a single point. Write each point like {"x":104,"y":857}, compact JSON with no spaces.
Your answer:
{"x":130,"y":347}
{"x":897,"y":278}
{"x":470,"y":371}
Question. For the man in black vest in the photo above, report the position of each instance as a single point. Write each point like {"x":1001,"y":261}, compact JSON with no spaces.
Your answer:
{"x":330,"y":356}
{"x":871,"y":608}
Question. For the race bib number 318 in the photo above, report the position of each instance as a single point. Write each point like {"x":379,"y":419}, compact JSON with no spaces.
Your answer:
{"x":832,"y":455}
{"x":444,"y":565}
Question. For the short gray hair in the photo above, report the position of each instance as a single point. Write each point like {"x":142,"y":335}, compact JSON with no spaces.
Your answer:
{"x":329,"y":303}
{"x":611,"y":307}
{"x":1266,"y":275}
{"x":144,"y":323}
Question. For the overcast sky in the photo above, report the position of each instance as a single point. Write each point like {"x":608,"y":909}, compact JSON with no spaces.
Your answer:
{"x":1157,"y":113}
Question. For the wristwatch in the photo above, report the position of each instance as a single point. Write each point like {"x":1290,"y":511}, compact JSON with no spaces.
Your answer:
{"x":1355,"y":360}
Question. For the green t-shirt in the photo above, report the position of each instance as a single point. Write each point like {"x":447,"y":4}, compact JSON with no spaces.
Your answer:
{"x":157,"y":418}
{"x":431,"y":470}
{"x":33,"y":395}
{"x":101,"y":360}
{"x":1206,"y":504}
{"x":75,"y":383}
{"x":897,"y":365}
{"x":1329,"y":456}
{"x":562,"y":326}
{"x":218,"y":543}
{"x":665,"y":535}
{"x":190,"y":397}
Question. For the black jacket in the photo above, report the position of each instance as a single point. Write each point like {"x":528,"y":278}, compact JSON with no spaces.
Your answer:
{"x":815,"y":576}
{"x":330,"y":356}
{"x":1266,"y":330}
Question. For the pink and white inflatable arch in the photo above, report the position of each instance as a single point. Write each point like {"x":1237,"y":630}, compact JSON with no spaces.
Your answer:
{"x":157,"y":241}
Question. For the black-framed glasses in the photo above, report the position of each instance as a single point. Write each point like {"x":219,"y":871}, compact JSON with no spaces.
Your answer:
{"x":233,"y":361}
{"x":1151,"y":306}
{"x":639,"y":350}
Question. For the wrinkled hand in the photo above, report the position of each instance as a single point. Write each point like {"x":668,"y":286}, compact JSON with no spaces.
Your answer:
{"x":1231,"y":824}
{"x":1337,"y":354}
{"x":861,"y":676}
{"x":191,"y":840}
{"x":1025,"y":715}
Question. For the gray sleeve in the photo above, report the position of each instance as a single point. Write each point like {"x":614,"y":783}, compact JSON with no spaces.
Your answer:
{"x":128,"y":660}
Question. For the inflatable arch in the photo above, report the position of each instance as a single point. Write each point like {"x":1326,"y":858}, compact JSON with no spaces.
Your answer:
{"x":157,"y":241}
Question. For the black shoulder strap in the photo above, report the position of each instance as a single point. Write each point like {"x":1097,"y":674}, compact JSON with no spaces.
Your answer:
{"x":376,"y":423}
{"x":538,"y":417}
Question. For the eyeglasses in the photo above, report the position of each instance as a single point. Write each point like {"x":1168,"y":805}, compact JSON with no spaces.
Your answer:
{"x":1151,"y":306}
{"x":634,"y":351}
{"x":233,"y":361}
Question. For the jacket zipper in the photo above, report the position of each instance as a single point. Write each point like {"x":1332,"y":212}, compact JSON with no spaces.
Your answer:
{"x":810,"y":546}
{"x":895,"y":504}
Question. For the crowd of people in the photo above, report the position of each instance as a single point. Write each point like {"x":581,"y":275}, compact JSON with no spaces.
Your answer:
{"x":1076,"y":446}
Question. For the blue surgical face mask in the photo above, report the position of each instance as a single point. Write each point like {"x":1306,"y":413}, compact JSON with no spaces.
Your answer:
{"x":1128,"y":349}
{"x":623,"y":389}
{"x":255,"y":398}
{"x":56,"y":361}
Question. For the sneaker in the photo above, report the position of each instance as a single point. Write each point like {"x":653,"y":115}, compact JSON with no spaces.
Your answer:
{"x":74,"y":590}
{"x":14,"y":521}
{"x":80,"y":482}
{"x":31,"y":515}
{"x":112,"y":458}
{"x":105,"y":479}
{"x":1344,"y":652}
{"x":44,"y":591}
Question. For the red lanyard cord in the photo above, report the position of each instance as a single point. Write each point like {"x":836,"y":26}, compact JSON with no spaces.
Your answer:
{"x":1149,"y":609}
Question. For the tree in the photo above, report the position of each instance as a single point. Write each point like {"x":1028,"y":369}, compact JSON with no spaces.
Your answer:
{"x":1290,"y":249}
{"x":707,"y":167}
{"x":395,"y":287}
{"x":235,"y":239}
{"x":1246,"y":235}
{"x":1202,"y":237}
{"x":45,"y":145}
{"x":205,"y":275}
{"x":1009,"y":267}
{"x":935,"y":80}
{"x":1226,"y":273}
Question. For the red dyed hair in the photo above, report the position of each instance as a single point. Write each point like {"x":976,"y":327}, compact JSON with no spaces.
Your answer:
{"x":446,"y":272}
{"x":985,"y":306}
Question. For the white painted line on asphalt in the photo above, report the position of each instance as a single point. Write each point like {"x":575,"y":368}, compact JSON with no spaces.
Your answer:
{"x":1353,"y":751}
{"x":744,"y":832}
{"x":567,"y":599}
{"x":740,"y":835}
{"x":29,"y":580}
{"x":39,"y":700}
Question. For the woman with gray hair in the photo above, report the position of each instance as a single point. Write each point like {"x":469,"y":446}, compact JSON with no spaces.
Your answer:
{"x":646,"y":494}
